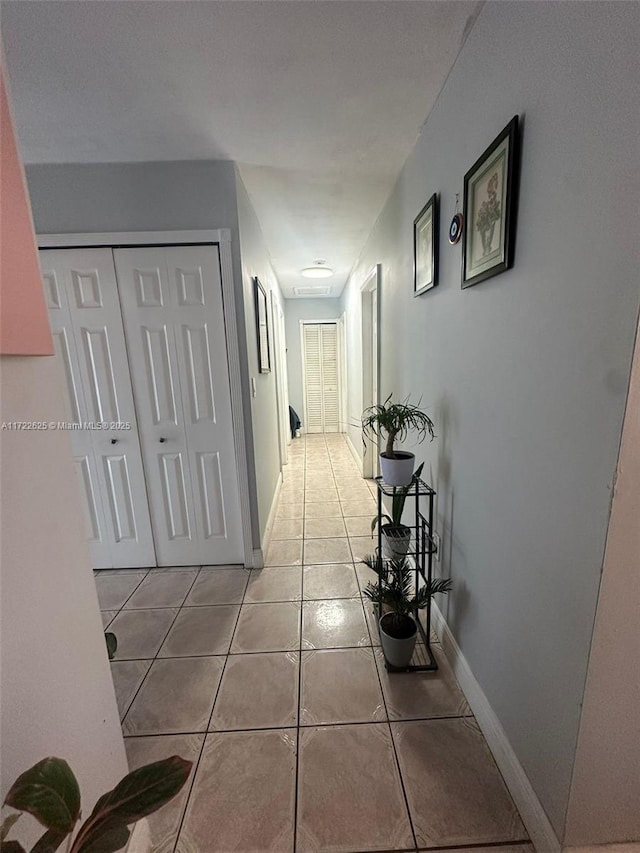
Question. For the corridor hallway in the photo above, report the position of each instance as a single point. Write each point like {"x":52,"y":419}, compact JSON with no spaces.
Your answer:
{"x":272,"y":681}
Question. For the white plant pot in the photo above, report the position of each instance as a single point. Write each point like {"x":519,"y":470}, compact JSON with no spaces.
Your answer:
{"x":397,"y":652}
{"x":398,"y":471}
{"x":395,"y":547}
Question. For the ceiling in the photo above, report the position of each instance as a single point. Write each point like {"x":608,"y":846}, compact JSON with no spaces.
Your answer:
{"x":319,"y":102}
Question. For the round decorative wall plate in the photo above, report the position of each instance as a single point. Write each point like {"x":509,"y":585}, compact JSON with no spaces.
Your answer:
{"x":456,"y":228}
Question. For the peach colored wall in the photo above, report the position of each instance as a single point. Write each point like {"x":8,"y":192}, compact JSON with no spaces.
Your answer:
{"x":604,"y":805}
{"x":57,"y":693}
{"x":24,"y":325}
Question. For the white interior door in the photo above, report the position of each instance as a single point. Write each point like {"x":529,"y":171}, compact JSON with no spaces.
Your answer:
{"x":81,"y":293}
{"x":174,"y":324}
{"x":321,"y":377}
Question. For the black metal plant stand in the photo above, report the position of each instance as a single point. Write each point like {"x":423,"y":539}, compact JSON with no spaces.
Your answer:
{"x":421,"y":553}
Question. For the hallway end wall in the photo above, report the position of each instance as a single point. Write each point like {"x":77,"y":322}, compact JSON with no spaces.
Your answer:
{"x":296,"y":310}
{"x":525,"y":374}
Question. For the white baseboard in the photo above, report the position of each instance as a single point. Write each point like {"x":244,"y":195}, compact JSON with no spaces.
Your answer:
{"x":353,"y":450}
{"x":259,"y":554}
{"x":624,"y":847}
{"x":531,"y":811}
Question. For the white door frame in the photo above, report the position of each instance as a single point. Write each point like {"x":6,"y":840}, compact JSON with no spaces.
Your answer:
{"x":370,"y":340}
{"x":222,"y":238}
{"x":336,"y":322}
{"x":342,"y":372}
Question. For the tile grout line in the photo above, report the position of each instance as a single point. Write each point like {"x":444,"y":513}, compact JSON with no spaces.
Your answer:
{"x":153,"y":659}
{"x":481,"y":845}
{"x":298,"y":709}
{"x":329,"y":725}
{"x":206,"y":732}
{"x":135,"y":589}
{"x":197,"y":575}
{"x":388,"y":723}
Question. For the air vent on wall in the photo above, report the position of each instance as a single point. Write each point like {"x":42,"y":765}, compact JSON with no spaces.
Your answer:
{"x":313,"y":290}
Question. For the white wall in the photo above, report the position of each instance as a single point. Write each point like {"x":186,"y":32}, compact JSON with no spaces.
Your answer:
{"x":525,"y":375}
{"x":57,"y":692}
{"x":296,"y":310}
{"x":605,"y":792}
{"x":255,"y":261}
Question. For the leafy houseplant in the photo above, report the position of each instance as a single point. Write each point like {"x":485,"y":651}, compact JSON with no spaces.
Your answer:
{"x":396,"y":535}
{"x":49,"y":791}
{"x":394,"y":591}
{"x":392,"y":422}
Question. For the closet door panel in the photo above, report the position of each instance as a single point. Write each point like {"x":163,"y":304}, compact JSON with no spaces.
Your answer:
{"x":312,"y":377}
{"x":194,"y":274}
{"x":84,"y":308}
{"x":172,"y":305}
{"x":93,"y":516}
{"x":331,"y":402}
{"x":149,"y":328}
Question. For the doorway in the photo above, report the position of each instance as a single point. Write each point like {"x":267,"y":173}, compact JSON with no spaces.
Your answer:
{"x":321,"y":376}
{"x":369,"y":296}
{"x":171,"y":365}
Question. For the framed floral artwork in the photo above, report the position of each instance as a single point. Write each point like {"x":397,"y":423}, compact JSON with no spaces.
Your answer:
{"x":262,"y":327}
{"x":490,"y":200}
{"x":425,"y":247}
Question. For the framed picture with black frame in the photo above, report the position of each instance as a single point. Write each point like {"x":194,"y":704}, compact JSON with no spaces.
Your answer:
{"x":425,"y":247}
{"x":490,"y":208}
{"x":262,"y":327}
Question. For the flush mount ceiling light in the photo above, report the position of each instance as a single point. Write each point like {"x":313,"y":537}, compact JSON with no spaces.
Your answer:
{"x":318,"y":270}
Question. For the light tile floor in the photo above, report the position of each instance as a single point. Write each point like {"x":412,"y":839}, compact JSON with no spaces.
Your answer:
{"x":272,"y":681}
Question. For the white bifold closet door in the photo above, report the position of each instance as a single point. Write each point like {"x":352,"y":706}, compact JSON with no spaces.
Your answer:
{"x":322,"y":397}
{"x":174,"y":325}
{"x":81,"y":293}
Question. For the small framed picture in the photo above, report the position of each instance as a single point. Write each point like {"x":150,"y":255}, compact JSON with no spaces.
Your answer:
{"x":262,"y":327}
{"x":425,"y":247}
{"x":490,"y":200}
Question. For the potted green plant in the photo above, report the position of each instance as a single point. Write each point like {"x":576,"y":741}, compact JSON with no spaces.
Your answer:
{"x":396,"y":536}
{"x":394,"y":593}
{"x":49,"y":792}
{"x":392,"y":422}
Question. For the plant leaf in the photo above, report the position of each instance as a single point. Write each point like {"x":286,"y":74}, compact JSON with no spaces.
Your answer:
{"x":48,"y":791}
{"x":140,"y":793}
{"x":112,"y":644}
{"x":7,"y":823}
{"x":107,"y":838}
{"x":50,"y":841}
{"x":11,"y":847}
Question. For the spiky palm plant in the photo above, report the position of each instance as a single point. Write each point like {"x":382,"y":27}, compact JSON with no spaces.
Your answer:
{"x":398,"y":499}
{"x":394,"y":420}
{"x":395,"y":589}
